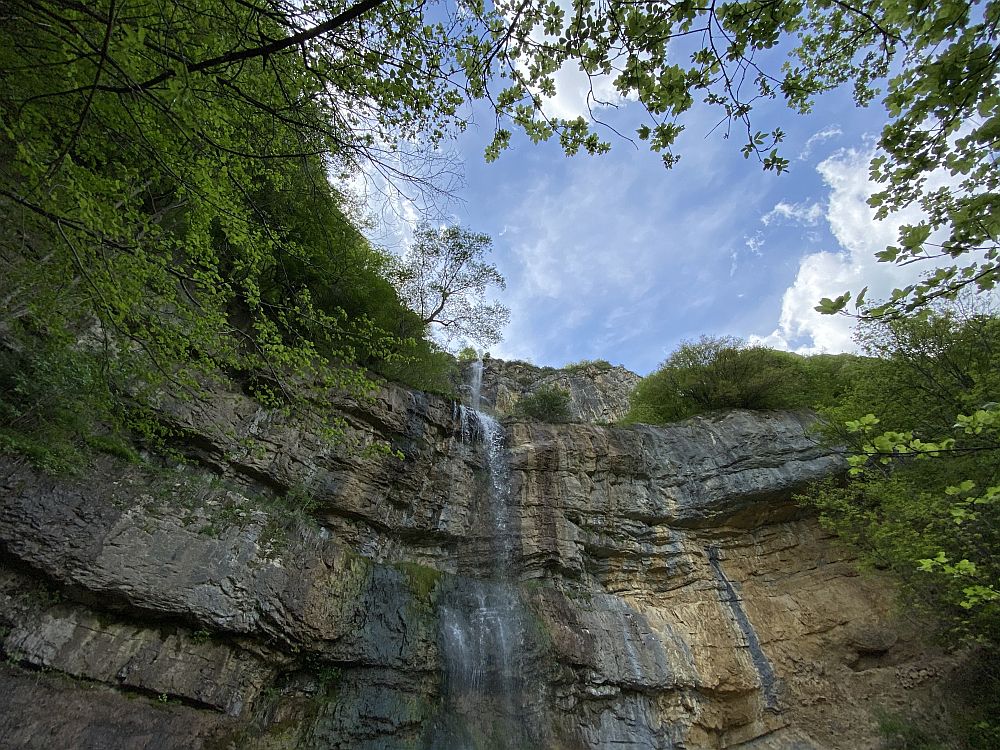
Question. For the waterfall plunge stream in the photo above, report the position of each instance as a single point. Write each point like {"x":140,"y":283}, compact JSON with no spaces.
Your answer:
{"x":482,"y":620}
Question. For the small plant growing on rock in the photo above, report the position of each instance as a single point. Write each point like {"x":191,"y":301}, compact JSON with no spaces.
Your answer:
{"x":547,"y":404}
{"x":601,"y":365}
{"x":201,"y":636}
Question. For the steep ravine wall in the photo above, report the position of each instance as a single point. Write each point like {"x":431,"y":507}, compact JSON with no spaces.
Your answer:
{"x":675,"y":597}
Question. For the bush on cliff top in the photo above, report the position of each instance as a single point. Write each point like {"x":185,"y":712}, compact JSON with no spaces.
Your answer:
{"x":601,"y":365}
{"x":547,"y":404}
{"x":727,"y":373}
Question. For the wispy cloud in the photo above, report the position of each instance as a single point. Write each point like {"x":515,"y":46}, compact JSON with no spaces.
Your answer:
{"x":572,"y":256}
{"x":806,"y":214}
{"x":754,"y":245}
{"x":816,"y":138}
{"x":604,"y":254}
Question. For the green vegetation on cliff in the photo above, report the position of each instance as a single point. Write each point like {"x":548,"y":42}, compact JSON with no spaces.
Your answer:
{"x":549,"y":403}
{"x":727,"y":373}
{"x":918,"y":415}
{"x":162,"y":227}
{"x":922,"y":426}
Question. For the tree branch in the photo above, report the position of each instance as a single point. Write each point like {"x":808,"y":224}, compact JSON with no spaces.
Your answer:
{"x":272,"y":47}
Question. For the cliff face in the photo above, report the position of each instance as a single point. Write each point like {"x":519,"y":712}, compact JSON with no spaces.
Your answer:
{"x":568,"y":586}
{"x":598,"y":391}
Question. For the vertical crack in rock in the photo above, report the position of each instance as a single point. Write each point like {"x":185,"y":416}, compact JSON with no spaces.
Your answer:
{"x":734,"y":603}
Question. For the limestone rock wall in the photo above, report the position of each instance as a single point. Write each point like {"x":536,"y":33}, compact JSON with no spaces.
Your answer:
{"x":598,"y":392}
{"x":277,"y":592}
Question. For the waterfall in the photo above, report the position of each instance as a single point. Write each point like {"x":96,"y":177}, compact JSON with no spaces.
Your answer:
{"x":482,"y":620}
{"x":475,"y":384}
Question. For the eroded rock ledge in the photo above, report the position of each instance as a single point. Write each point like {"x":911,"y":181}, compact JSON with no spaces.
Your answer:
{"x":678,"y":597}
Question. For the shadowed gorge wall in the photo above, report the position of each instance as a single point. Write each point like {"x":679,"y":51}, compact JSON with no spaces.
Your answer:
{"x":668,"y":593}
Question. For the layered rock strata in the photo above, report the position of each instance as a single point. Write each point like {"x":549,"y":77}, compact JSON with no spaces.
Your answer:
{"x":598,"y":391}
{"x":279,"y":592}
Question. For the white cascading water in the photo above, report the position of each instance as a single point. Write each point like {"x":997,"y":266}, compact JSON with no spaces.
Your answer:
{"x":475,"y":385}
{"x":482,"y":620}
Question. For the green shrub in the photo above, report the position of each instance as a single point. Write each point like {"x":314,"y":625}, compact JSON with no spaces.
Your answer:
{"x":719,"y":373}
{"x":423,"y":365}
{"x":547,"y":404}
{"x":901,"y":733}
{"x":468,"y":354}
{"x":57,"y":408}
{"x":975,"y":698}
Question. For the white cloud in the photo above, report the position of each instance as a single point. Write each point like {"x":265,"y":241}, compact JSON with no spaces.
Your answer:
{"x":851,"y":267}
{"x":816,"y":138}
{"x":754,"y":248}
{"x":577,"y":93}
{"x":587,"y":244}
{"x":564,"y":258}
{"x":590,"y":237}
{"x":807,"y":214}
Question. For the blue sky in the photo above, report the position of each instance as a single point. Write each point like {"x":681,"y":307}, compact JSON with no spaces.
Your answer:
{"x":615,"y":257}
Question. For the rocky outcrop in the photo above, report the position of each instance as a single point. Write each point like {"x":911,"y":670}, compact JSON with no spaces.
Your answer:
{"x":281,"y":591}
{"x":598,"y":391}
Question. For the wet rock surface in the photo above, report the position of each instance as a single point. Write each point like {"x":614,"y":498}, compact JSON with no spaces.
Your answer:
{"x":669,"y":594}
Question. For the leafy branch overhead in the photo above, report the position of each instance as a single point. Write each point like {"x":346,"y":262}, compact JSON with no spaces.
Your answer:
{"x":142,"y":151}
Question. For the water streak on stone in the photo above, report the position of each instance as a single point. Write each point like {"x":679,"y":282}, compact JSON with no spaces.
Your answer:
{"x":729,"y":597}
{"x":482,"y":621}
{"x":475,"y":384}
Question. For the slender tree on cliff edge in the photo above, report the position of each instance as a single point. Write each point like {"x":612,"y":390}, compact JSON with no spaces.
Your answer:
{"x":444,"y":279}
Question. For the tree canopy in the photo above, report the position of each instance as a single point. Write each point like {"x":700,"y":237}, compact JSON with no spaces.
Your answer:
{"x":444,"y":279}
{"x":239,"y":84}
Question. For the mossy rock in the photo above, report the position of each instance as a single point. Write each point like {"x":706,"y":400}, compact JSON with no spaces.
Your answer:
{"x":422,"y":579}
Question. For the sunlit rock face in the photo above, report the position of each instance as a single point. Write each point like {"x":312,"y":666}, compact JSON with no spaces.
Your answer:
{"x":598,"y":392}
{"x":514,"y":585}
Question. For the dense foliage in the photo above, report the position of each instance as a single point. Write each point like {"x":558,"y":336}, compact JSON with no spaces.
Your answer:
{"x":148,"y":149}
{"x":162,"y":227}
{"x":923,"y":427}
{"x":727,"y":373}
